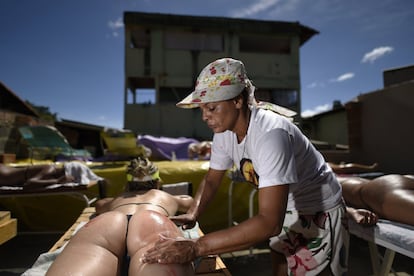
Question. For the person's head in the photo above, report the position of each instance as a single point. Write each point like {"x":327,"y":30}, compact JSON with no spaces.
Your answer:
{"x":142,"y":175}
{"x":222,"y":91}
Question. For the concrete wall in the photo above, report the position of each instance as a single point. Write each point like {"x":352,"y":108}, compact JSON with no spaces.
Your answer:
{"x":332,"y":128}
{"x":167,"y":120}
{"x":386,"y":129}
{"x":329,"y":127}
{"x":398,"y":75}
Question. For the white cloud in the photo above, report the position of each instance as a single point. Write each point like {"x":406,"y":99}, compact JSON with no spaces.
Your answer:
{"x":316,"y":110}
{"x":315,"y":84}
{"x":255,"y":8}
{"x":344,"y":77}
{"x":376,"y":54}
{"x":115,"y":26}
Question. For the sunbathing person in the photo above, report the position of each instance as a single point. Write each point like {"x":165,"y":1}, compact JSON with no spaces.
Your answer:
{"x":126,"y":226}
{"x":390,"y":196}
{"x":37,"y":176}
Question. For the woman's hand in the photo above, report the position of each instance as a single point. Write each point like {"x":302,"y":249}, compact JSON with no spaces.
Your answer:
{"x":362,"y":216}
{"x":167,"y":251}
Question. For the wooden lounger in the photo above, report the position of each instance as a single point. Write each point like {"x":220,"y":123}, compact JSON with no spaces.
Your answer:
{"x":78,"y":191}
{"x":212,"y":265}
{"x":8,"y":227}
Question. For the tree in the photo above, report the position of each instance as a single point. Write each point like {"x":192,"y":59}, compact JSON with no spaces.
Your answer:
{"x":44,"y":113}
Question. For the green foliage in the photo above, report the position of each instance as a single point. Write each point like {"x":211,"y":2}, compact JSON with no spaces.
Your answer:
{"x":44,"y":113}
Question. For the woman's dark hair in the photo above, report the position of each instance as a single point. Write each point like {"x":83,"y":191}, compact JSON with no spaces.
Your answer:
{"x":245,"y":96}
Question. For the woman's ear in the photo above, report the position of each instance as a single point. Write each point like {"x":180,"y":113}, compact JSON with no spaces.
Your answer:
{"x":238,"y":101}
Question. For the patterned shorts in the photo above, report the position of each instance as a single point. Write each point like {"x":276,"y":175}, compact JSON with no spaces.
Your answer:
{"x":313,"y":242}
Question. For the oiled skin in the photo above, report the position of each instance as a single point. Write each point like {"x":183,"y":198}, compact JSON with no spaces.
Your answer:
{"x":100,"y":246}
{"x":390,"y":196}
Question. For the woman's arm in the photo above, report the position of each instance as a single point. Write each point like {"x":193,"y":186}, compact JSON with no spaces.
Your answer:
{"x":267,"y":223}
{"x":205,"y":193}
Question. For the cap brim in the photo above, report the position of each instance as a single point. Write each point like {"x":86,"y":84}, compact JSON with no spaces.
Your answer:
{"x":222,"y":93}
{"x":187,"y":102}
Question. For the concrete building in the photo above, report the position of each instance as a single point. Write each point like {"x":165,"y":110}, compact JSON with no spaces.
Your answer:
{"x":320,"y":127}
{"x":164,"y":53}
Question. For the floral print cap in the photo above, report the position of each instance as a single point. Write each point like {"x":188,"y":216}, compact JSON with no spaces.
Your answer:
{"x":221,"y":80}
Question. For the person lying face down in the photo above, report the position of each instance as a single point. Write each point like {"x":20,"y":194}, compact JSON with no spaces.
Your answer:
{"x":390,"y":196}
{"x":38,"y":176}
{"x":114,"y":241}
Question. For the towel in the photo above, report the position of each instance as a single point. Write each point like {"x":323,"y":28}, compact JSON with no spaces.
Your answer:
{"x":82,"y":173}
{"x":45,"y":260}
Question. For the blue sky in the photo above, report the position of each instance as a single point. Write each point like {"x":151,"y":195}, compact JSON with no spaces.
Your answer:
{"x":68,"y":55}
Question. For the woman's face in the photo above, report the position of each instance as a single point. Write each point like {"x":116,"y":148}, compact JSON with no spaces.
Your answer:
{"x":220,"y":116}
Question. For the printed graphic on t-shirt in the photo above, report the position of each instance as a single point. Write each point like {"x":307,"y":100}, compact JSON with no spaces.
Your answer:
{"x":247,"y":170}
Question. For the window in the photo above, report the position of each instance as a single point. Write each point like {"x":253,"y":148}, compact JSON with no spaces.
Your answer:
{"x":264,"y":44}
{"x":285,"y":98}
{"x":141,"y":96}
{"x":179,"y":40}
{"x":146,"y":96}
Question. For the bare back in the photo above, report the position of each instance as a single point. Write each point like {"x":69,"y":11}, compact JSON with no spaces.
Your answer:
{"x":156,"y":200}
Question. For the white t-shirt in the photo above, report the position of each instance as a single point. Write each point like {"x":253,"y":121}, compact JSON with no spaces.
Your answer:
{"x":276,"y":152}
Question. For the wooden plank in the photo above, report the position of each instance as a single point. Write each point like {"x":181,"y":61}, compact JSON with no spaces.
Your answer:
{"x":4,"y":216}
{"x":84,"y":217}
{"x":8,"y":227}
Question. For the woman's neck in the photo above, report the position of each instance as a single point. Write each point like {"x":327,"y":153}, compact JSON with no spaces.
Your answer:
{"x":243,"y":126}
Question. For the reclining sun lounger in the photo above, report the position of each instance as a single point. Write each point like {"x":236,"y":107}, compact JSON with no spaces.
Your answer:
{"x":121,"y":145}
{"x":36,"y":208}
{"x":394,"y":237}
{"x":73,"y":189}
